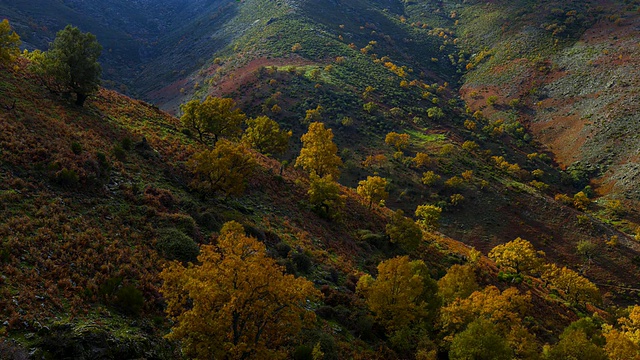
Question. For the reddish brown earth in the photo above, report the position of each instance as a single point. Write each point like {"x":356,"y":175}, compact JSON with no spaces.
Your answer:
{"x":172,"y":95}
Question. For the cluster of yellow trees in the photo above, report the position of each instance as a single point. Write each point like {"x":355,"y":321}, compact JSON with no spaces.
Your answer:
{"x":238,"y":303}
{"x":226,"y":166}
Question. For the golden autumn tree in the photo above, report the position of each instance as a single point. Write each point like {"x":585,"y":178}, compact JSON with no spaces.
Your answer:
{"x":504,"y":309}
{"x":517,"y":256}
{"x":319,"y":154}
{"x":265,"y":135}
{"x":624,"y":342}
{"x":373,"y":189}
{"x":398,"y":141}
{"x":313,"y":115}
{"x":402,"y":294}
{"x":238,"y":303}
{"x":458,"y":283}
{"x":9,"y":43}
{"x":429,"y":216}
{"x":224,"y":168}
{"x":574,"y":287}
{"x":575,"y":344}
{"x":218,"y":117}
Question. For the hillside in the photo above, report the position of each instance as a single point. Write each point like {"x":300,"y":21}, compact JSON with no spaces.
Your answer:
{"x":519,"y":120}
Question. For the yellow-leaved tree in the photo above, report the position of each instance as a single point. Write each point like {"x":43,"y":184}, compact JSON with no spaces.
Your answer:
{"x":398,"y":141}
{"x":402,"y":294}
{"x":374,"y":189}
{"x":624,"y":343}
{"x":458,"y":283}
{"x":9,"y":43}
{"x":504,"y":309}
{"x":319,"y":154}
{"x":404,"y":231}
{"x":574,"y":287}
{"x":238,"y":303}
{"x":264,"y":135}
{"x":517,"y":256}
{"x":225,"y":168}
{"x":324,"y":196}
{"x":218,"y":117}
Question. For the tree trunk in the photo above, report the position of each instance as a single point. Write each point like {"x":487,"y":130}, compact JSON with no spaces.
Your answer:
{"x":80,"y":99}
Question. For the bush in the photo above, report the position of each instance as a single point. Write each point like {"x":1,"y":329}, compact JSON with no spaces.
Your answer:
{"x":302,"y":261}
{"x":283,"y":249}
{"x":210,"y":221}
{"x":67,"y":178}
{"x":127,"y":143}
{"x":173,"y":244}
{"x":76,"y":148}
{"x":303,"y":352}
{"x":129,"y":300}
{"x":119,"y":153}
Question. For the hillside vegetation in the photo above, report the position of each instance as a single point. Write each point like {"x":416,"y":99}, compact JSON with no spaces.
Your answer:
{"x":456,"y":184}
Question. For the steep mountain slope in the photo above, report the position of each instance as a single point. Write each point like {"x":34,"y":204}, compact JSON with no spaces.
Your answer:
{"x":501,"y":97}
{"x":575,"y":87}
{"x":492,"y":43}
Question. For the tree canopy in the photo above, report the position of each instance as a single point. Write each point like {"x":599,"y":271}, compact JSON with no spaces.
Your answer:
{"x":517,"y":256}
{"x":264,"y":135}
{"x":218,"y":117}
{"x":9,"y":43}
{"x":404,"y":231}
{"x":72,"y":62}
{"x":402,"y":293}
{"x":319,"y":154}
{"x":224,"y":168}
{"x":238,"y":303}
{"x":373,"y":189}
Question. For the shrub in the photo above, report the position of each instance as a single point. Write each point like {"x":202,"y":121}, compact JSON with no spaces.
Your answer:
{"x":119,"y":153}
{"x":303,"y":352}
{"x":127,"y":143}
{"x":76,"y":148}
{"x":302,"y":261}
{"x":129,"y":300}
{"x":67,"y":178}
{"x":173,"y":244}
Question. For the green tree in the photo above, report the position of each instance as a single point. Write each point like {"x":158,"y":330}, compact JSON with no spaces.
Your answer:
{"x":324,"y":196}
{"x":264,"y":135}
{"x":319,"y":153}
{"x":216,"y":116}
{"x":72,"y":62}
{"x":9,"y":43}
{"x":374,"y":189}
{"x":238,"y":303}
{"x":480,"y":341}
{"x":404,"y":231}
{"x":225,"y":168}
